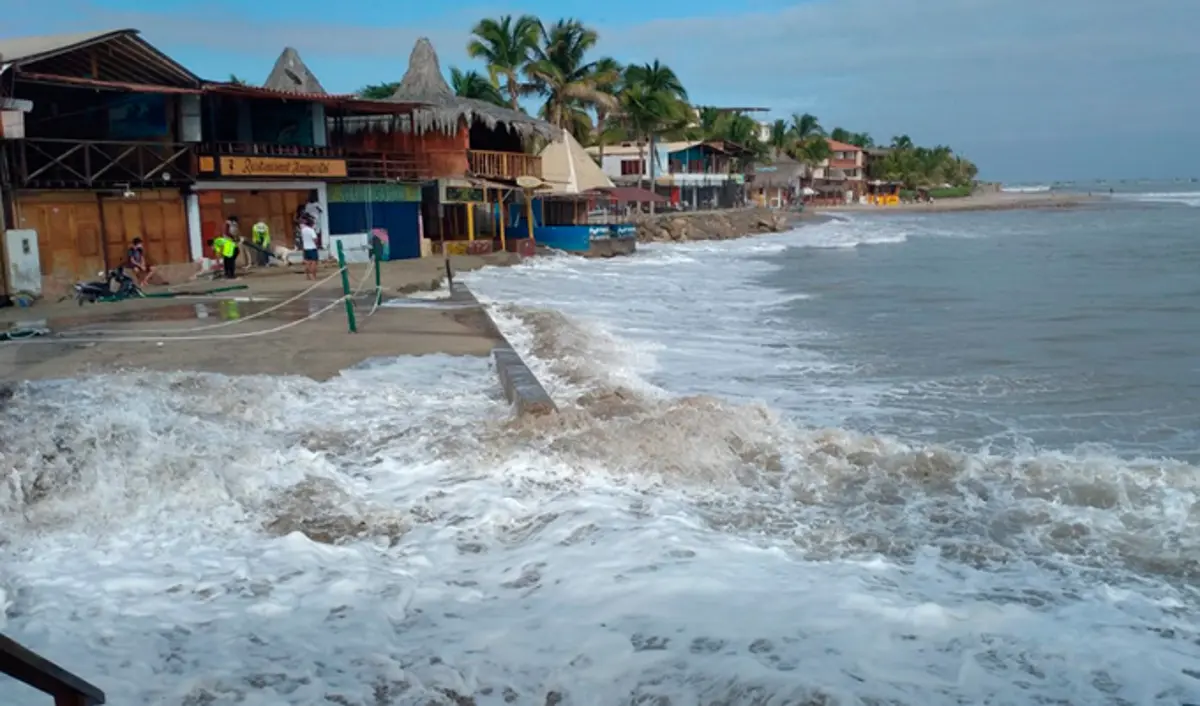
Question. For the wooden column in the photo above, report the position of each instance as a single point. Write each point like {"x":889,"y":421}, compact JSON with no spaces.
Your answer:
{"x":471,"y":221}
{"x":503,"y":208}
{"x":529,"y":215}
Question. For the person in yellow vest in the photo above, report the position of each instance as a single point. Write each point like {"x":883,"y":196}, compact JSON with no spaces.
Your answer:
{"x":261,"y":237}
{"x":225,"y":248}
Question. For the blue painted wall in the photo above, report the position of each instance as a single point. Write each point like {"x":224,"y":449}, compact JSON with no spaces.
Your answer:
{"x":400,"y":220}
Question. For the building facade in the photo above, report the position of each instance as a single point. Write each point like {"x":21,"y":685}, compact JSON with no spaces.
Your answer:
{"x":103,"y":155}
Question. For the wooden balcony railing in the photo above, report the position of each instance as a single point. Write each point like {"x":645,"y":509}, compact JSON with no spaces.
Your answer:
{"x":265,"y":149}
{"x":50,"y":163}
{"x":383,"y":166}
{"x":47,"y":677}
{"x":504,"y":165}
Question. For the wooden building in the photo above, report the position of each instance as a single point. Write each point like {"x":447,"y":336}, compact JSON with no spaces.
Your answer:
{"x":469,"y":153}
{"x":100,"y":158}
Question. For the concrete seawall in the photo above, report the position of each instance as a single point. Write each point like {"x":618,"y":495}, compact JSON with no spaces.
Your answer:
{"x":520,"y":385}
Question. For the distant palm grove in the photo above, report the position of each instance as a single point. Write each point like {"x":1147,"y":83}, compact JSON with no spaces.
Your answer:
{"x":602,"y":101}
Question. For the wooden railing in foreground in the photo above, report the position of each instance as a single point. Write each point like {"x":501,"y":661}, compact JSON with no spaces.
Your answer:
{"x":47,"y":677}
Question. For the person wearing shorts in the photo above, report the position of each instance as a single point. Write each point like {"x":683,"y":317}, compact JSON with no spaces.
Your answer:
{"x":308,"y":243}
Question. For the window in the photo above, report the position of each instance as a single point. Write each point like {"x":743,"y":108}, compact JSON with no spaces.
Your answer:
{"x":633,"y":167}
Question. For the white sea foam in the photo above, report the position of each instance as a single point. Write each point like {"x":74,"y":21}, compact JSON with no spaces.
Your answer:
{"x":1186,"y":198}
{"x":1026,"y":188}
{"x":390,"y":536}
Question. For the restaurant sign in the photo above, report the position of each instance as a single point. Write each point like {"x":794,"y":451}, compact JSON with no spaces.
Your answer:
{"x":463,"y":194}
{"x":289,"y":167}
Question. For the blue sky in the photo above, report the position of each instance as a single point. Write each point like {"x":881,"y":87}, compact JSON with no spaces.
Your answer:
{"x":1032,"y":90}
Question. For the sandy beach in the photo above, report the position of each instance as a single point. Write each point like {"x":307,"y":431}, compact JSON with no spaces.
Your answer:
{"x":997,"y":201}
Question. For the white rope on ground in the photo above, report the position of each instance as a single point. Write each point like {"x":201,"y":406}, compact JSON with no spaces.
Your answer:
{"x":209,"y":327}
{"x":160,"y":339}
{"x":366,"y":276}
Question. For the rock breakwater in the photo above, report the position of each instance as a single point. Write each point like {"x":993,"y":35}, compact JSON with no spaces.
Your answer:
{"x":709,"y":225}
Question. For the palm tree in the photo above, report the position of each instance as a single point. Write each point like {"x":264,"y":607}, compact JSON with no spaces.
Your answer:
{"x":609,"y":73}
{"x":472,"y":84}
{"x":506,"y":45}
{"x":902,"y":142}
{"x":781,"y":138}
{"x":670,"y":100}
{"x":840,"y":134}
{"x":805,"y":126}
{"x":645,"y":111}
{"x":569,"y":83}
{"x":656,"y":77}
{"x":378,"y":91}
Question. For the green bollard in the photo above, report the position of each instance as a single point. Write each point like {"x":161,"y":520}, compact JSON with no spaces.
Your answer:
{"x":346,"y":288}
{"x":377,"y":248}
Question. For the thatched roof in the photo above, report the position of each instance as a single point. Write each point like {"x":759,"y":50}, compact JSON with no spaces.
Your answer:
{"x":424,"y":83}
{"x":291,"y":75}
{"x":778,"y":174}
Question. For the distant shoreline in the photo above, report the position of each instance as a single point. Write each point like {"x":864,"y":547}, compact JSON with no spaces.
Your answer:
{"x":1001,"y":201}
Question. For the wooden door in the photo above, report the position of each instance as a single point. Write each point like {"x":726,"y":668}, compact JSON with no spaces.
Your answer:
{"x":158,"y":218}
{"x":277,"y":207}
{"x":69,"y":235}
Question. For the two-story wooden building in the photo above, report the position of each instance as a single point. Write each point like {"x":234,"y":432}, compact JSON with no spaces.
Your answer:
{"x":101,"y":156}
{"x":470,"y":153}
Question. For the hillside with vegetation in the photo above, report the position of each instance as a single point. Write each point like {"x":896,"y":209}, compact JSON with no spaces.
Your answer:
{"x":601,"y":101}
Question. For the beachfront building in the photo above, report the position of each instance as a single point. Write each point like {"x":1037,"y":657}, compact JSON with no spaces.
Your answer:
{"x":841,"y":178}
{"x":469,"y":154}
{"x":288,"y":145}
{"x":96,"y":151}
{"x":577,"y":209}
{"x":778,"y":183}
{"x":691,"y":175}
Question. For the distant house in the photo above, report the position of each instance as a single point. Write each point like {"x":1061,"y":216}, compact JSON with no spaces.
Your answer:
{"x":693,"y":174}
{"x":777,"y":184}
{"x":843,"y":174}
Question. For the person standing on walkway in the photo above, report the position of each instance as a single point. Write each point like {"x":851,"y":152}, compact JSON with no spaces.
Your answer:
{"x":261,"y":234}
{"x":308,"y":242}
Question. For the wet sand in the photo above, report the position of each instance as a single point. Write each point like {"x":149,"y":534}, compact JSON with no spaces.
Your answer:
{"x":318,"y":348}
{"x":1000,"y":201}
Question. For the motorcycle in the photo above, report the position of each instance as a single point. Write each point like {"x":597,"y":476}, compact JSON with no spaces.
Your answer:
{"x":93,"y":292}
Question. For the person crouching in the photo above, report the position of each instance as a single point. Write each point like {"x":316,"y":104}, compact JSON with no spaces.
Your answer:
{"x":225,"y":250}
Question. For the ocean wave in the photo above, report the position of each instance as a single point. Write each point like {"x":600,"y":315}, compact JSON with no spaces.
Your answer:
{"x":1186,"y":198}
{"x":1026,"y":189}
{"x":393,"y":535}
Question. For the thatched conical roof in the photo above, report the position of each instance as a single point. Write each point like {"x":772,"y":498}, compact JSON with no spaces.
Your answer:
{"x":424,"y":83}
{"x":291,"y":75}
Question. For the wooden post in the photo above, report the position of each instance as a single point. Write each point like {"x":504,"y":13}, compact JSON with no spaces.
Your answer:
{"x":503,"y":217}
{"x":341,"y":254}
{"x":471,"y":221}
{"x":529,"y":216}
{"x":377,"y":248}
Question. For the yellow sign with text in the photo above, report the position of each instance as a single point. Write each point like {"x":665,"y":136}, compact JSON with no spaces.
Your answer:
{"x":282,"y":167}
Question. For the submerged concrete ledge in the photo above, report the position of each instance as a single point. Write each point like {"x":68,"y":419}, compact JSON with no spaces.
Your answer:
{"x":520,"y":385}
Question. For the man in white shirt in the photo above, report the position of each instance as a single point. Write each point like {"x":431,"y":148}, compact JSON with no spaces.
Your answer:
{"x":308,"y":242}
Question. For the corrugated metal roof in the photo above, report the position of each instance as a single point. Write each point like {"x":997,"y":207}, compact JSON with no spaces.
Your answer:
{"x":22,"y":50}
